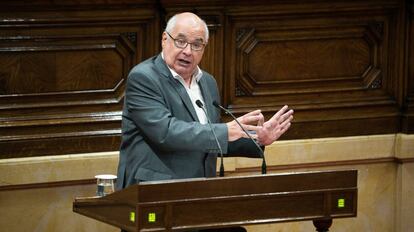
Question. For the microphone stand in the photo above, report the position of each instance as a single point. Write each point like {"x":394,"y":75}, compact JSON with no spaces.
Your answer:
{"x":264,"y":166}
{"x":200,"y":104}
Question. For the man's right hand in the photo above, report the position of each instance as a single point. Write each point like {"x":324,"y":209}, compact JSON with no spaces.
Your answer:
{"x":234,"y":130}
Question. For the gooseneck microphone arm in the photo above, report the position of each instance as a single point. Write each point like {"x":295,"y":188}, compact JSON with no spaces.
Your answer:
{"x":200,"y":104}
{"x":264,"y":166}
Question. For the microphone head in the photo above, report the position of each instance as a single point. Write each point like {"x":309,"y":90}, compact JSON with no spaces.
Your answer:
{"x":199,"y":103}
{"x":215,"y":103}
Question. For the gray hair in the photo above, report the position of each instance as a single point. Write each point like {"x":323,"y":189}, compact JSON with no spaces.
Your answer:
{"x":172,"y":21}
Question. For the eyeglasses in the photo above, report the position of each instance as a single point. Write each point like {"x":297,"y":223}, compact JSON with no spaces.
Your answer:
{"x":182,"y":43}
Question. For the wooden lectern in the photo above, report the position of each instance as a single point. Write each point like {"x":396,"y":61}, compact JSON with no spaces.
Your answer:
{"x":200,"y":203}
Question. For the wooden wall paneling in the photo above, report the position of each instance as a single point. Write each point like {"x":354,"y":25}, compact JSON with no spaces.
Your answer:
{"x":344,"y":66}
{"x":336,"y":68}
{"x":213,"y":56}
{"x":408,"y":108}
{"x":63,"y":75}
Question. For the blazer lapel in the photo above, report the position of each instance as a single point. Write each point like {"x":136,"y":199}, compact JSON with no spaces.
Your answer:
{"x":177,"y":86}
{"x":184,"y":97}
{"x":208,"y":101}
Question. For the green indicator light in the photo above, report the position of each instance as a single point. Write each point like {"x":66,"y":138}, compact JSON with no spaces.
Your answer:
{"x":132,"y":216}
{"x":152,"y":217}
{"x":341,"y":203}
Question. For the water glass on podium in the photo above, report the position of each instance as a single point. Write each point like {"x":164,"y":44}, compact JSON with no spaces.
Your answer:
{"x":105,"y":184}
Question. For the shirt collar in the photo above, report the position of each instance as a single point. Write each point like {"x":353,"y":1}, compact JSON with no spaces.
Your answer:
{"x":197,"y":74}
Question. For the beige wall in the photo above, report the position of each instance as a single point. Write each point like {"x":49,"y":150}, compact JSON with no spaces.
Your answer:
{"x":36,"y":193}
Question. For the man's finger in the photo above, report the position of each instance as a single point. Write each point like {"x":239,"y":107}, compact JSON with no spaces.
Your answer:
{"x":251,"y":113}
{"x":251,"y":127}
{"x":261,"y":120}
{"x":285,"y":128}
{"x":285,"y":116}
{"x":250,"y":119}
{"x":279,"y":113}
{"x":286,"y":122}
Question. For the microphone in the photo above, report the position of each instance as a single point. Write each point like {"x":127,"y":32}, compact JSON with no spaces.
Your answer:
{"x":264,"y":166}
{"x":200,"y":104}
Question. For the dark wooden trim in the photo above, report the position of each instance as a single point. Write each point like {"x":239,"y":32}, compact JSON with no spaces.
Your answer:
{"x":404,"y":160}
{"x":321,"y":164}
{"x":47,"y":185}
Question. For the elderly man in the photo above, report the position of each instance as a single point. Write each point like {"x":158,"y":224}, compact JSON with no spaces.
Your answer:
{"x":165,"y":134}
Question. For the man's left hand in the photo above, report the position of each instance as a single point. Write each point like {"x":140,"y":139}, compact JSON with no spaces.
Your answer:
{"x":272,"y":129}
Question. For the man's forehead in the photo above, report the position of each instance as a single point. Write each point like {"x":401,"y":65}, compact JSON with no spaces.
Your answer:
{"x":195,"y":36}
{"x":190,"y":28}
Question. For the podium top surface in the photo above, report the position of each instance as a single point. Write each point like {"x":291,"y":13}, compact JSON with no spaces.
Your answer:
{"x":216,"y":187}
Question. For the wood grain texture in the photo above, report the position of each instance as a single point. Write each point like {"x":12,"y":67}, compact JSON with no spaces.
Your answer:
{"x":345,"y":67}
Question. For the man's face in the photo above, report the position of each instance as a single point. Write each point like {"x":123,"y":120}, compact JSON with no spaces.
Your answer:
{"x":183,"y":60}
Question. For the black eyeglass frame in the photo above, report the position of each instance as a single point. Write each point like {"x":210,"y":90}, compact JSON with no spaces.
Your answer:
{"x":203,"y":45}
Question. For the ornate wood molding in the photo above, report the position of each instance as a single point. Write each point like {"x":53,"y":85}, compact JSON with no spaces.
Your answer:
{"x":63,"y":76}
{"x":63,"y":66}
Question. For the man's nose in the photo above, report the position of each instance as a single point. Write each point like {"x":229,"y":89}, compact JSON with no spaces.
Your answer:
{"x":187,"y":50}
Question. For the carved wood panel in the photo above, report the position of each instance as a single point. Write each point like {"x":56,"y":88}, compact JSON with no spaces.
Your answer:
{"x":345,"y":67}
{"x":325,"y":66}
{"x":62,"y":79}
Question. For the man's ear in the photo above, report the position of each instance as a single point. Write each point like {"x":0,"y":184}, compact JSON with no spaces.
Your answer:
{"x":163,"y":39}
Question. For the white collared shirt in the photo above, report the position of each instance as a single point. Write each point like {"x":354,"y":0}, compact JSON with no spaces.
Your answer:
{"x":194,"y":91}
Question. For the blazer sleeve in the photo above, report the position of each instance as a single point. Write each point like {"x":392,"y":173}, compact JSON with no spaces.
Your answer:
{"x":244,"y":147}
